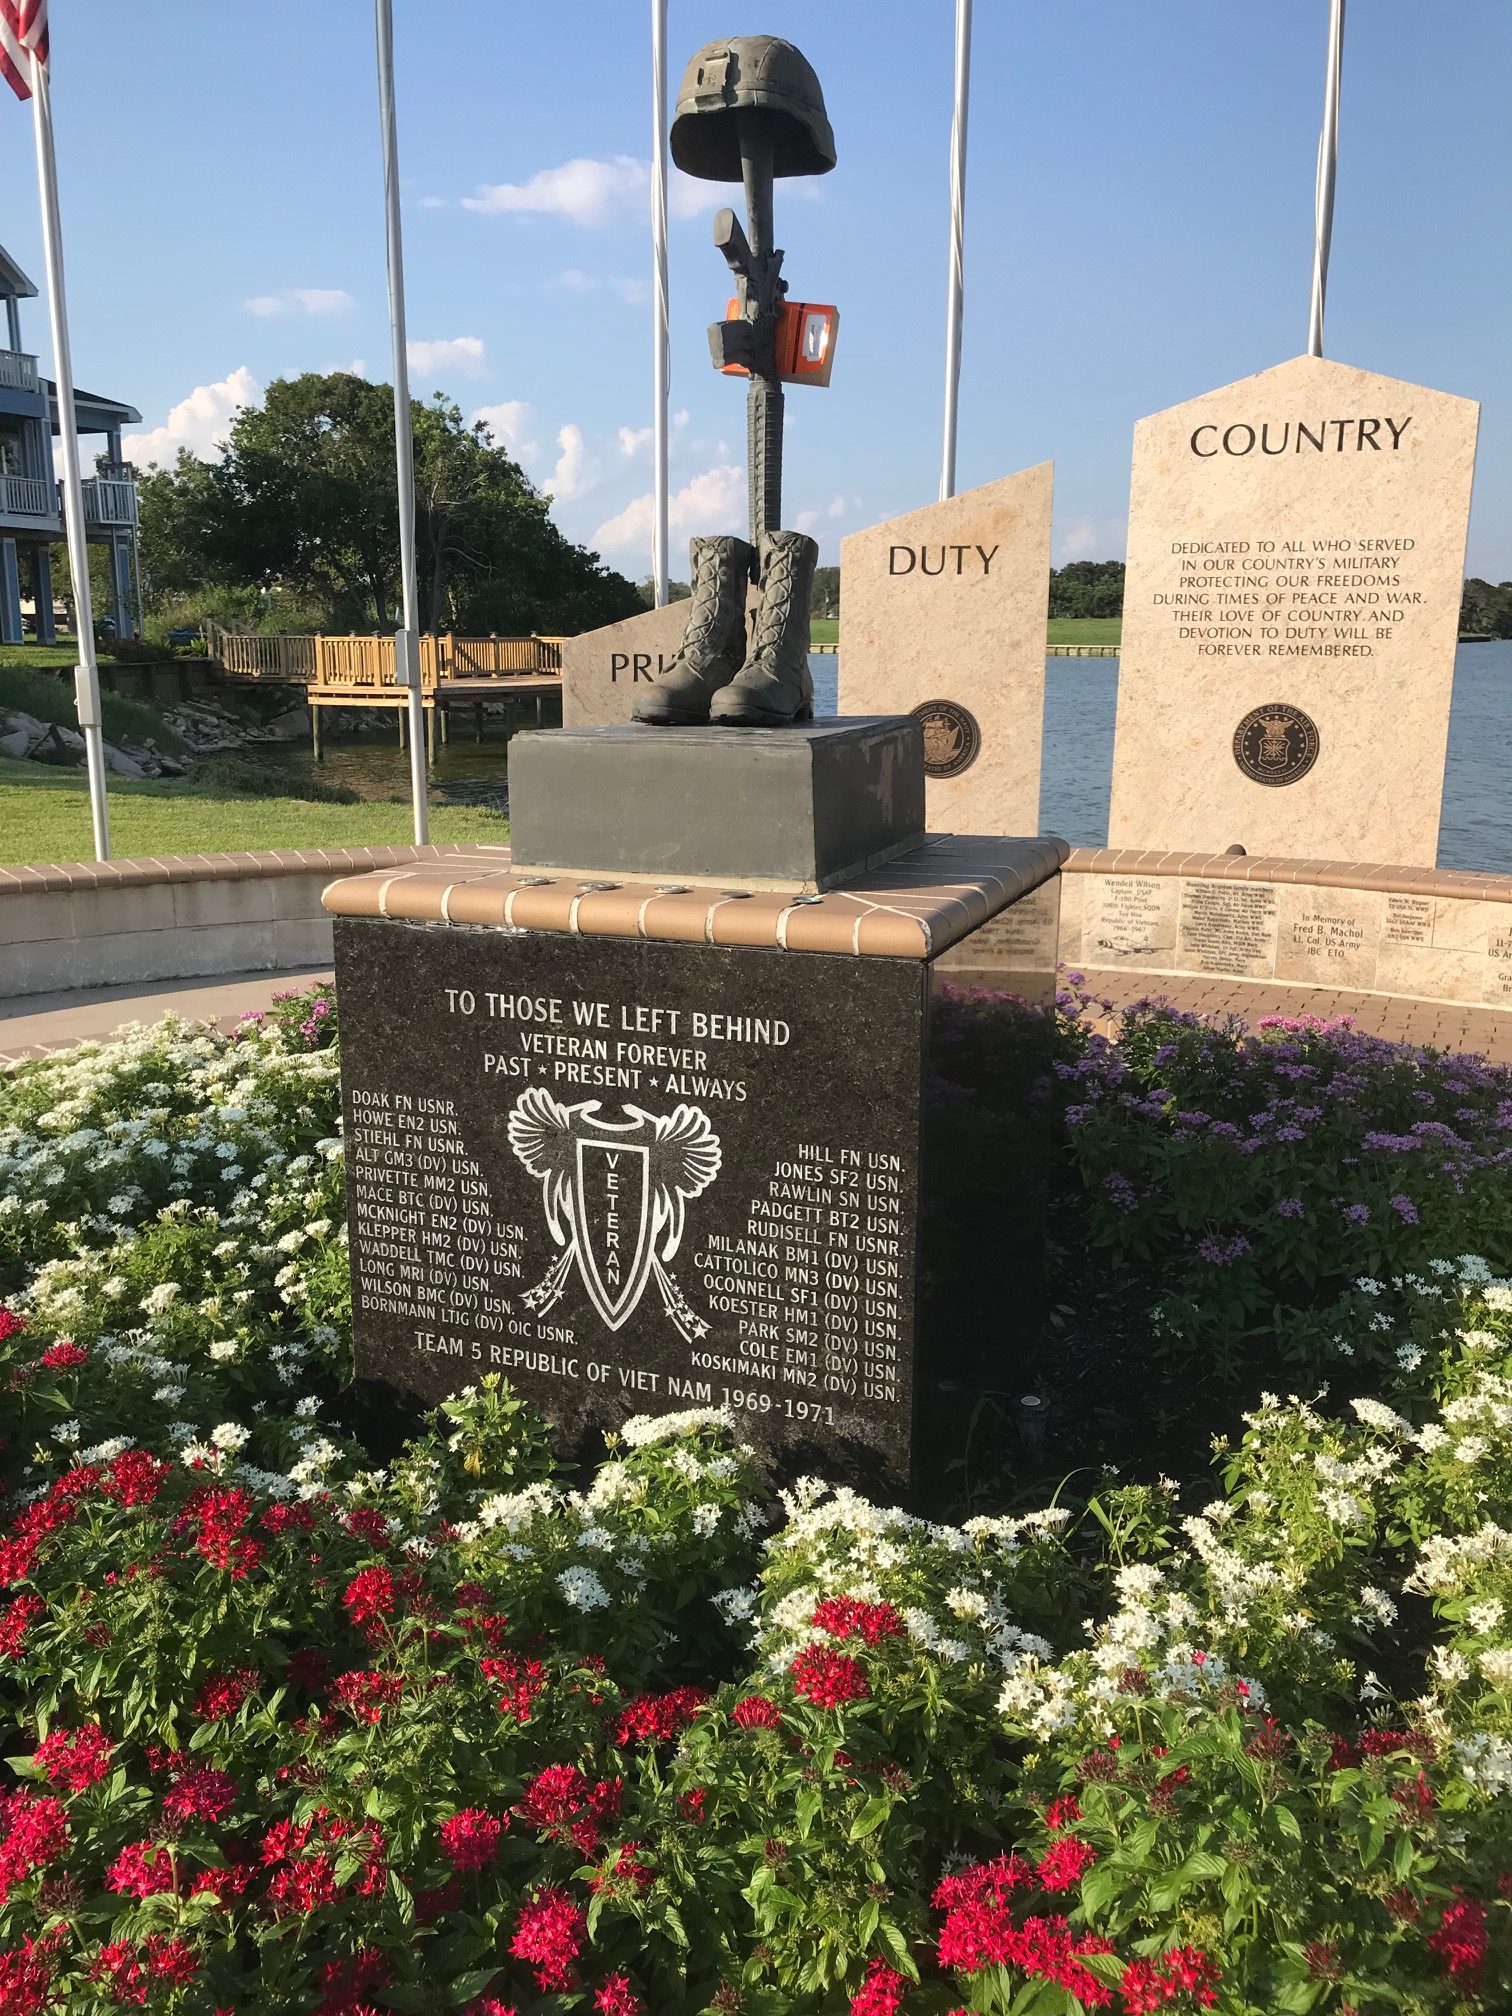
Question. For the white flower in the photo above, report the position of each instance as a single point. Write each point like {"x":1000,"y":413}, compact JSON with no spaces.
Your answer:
{"x":641,"y":1431}
{"x":1449,"y":1666}
{"x":66,"y":1432}
{"x":229,"y":1436}
{"x":225,"y":1349}
{"x":1483,"y":1618}
{"x":582,"y":1588}
{"x":1470,"y":1450}
{"x":1496,"y":1665}
{"x":157,"y":1300}
{"x":1376,"y":1414}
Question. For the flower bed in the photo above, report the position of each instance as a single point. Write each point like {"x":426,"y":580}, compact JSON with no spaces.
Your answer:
{"x":310,"y":1721}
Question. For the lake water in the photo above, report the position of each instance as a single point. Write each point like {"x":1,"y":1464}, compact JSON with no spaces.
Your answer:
{"x":1081,"y":696}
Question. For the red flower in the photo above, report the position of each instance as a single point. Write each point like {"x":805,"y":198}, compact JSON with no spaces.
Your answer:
{"x":223,"y":1694}
{"x":881,"y":1993}
{"x":553,"y":1795}
{"x":549,"y":1936}
{"x":1154,"y":1984}
{"x":20,"y":1614}
{"x":365,"y":1695}
{"x":367,"y":1523}
{"x":1062,"y":1813}
{"x":691,"y":1803}
{"x":301,"y":1887}
{"x":348,"y":1983}
{"x":220,"y":1517}
{"x":828,"y":1678}
{"x":199,"y":1793}
{"x":1269,"y":1741}
{"x":283,"y":1518}
{"x":618,"y":1998}
{"x":135,"y":1478}
{"x":1062,"y":1865}
{"x":521,"y":1680}
{"x":26,"y":1971}
{"x":756,"y":1712}
{"x":1460,"y":1941}
{"x":75,"y":1758}
{"x":142,"y":1869}
{"x":1416,"y":1799}
{"x":369,"y":1599}
{"x":121,"y":1967}
{"x":33,"y":1832}
{"x":656,"y":1718}
{"x":626,"y":1868}
{"x":848,"y":1617}
{"x":64,"y":1356}
{"x":11,"y":1325}
{"x":470,"y":1839}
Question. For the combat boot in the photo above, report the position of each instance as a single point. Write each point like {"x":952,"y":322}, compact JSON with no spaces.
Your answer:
{"x":714,"y":641}
{"x":774,"y":686}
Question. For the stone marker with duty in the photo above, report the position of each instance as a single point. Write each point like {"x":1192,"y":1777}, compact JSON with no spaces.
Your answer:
{"x":1296,"y":554}
{"x":945,"y":618}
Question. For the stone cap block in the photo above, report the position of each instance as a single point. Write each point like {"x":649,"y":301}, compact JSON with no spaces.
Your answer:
{"x":913,"y":907}
{"x":801,"y":807}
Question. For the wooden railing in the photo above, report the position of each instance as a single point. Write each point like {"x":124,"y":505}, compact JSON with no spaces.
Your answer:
{"x":356,"y":663}
{"x":27,"y":497}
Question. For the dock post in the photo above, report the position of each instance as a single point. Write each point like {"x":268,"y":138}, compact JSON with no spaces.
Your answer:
{"x":477,"y":720}
{"x":315,"y":747}
{"x":403,"y":716}
{"x":444,"y":714}
{"x":430,"y":732}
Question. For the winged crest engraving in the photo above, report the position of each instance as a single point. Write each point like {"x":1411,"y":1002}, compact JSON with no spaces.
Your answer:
{"x":615,"y":1194}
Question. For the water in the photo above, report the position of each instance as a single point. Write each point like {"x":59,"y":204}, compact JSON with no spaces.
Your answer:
{"x":1081,"y":697}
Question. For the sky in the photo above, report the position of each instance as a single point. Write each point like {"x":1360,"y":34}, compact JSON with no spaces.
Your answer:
{"x":1138,"y":231}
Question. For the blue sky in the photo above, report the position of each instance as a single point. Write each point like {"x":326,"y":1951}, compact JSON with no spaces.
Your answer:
{"x":1138,"y":231}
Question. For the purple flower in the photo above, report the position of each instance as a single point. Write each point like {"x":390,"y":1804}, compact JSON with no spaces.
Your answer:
{"x":1290,"y":1207}
{"x":1405,"y":1209}
{"x":1223,"y":1252}
{"x":1357,"y":1214}
{"x":1120,"y":1190}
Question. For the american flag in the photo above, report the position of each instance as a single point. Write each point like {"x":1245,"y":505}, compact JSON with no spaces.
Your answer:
{"x":23,"y":27}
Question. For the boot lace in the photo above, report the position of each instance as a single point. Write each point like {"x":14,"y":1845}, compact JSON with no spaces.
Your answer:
{"x":776,"y":601}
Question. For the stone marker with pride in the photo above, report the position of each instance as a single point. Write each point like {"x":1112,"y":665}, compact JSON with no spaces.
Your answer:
{"x":1296,"y":554}
{"x":943,"y":616}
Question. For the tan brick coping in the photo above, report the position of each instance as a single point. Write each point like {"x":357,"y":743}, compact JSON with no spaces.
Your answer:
{"x":62,"y":877}
{"x":912,"y":908}
{"x":1396,"y":881}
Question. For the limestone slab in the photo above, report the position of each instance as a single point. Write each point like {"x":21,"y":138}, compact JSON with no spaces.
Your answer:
{"x":1131,"y":920}
{"x":943,"y":615}
{"x":1296,"y":553}
{"x":1227,"y":927}
{"x":1330,"y":937}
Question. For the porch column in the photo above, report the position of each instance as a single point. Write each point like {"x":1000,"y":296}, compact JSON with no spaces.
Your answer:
{"x":10,"y":594}
{"x":120,"y":586}
{"x":42,"y":591}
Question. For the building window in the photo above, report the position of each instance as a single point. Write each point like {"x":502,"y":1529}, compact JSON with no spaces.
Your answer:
{"x":10,"y":454}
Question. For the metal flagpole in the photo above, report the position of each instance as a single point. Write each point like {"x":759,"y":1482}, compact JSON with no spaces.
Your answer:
{"x":407,"y":640}
{"x":660,"y":366}
{"x":87,"y":672}
{"x":957,"y":243}
{"x":1328,"y":163}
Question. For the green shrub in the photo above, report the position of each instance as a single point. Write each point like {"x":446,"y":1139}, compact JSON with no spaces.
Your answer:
{"x":250,"y":779}
{"x":50,"y":697}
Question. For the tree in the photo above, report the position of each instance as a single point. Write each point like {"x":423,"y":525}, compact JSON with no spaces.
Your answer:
{"x":1087,"y":588}
{"x":304,"y":500}
{"x":825,"y":599}
{"x":1486,"y":611}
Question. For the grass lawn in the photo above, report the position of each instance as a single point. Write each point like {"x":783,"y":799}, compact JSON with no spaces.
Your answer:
{"x":44,"y":816}
{"x":64,"y":654}
{"x":824,"y":629}
{"x":34,"y":690}
{"x":1084,"y":630}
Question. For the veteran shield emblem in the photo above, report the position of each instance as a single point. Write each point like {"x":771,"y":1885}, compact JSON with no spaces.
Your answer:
{"x":615,"y":1193}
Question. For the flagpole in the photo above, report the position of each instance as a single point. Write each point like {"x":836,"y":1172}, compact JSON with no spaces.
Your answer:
{"x":956,"y":284}
{"x":87,"y":671}
{"x":660,"y":364}
{"x":407,"y":641}
{"x":1323,"y":190}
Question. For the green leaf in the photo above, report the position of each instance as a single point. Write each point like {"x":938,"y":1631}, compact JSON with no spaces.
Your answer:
{"x":1287,"y":1822}
{"x":871,"y":1816}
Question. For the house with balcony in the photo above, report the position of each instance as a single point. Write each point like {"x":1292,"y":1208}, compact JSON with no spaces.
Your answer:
{"x":31,"y":508}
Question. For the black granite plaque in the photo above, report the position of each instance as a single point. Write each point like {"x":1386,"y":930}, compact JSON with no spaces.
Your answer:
{"x":636,"y":1178}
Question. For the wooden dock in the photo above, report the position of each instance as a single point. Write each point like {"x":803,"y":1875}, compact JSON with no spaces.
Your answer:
{"x":359,"y":671}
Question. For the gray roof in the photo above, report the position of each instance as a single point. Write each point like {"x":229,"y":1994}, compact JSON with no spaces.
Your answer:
{"x":12,"y":280}
{"x":93,"y":413}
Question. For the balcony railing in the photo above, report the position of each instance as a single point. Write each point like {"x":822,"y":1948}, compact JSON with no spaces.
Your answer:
{"x":18,"y":372}
{"x":110,"y":501}
{"x":26,"y":497}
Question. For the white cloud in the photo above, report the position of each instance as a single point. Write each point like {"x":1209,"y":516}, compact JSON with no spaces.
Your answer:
{"x":592,"y":193}
{"x":805,"y":521}
{"x":576,"y":470}
{"x":714,"y":499}
{"x":510,"y":423}
{"x":633,"y":439}
{"x":199,"y":422}
{"x":836,"y":508}
{"x":450,"y":353}
{"x":357,"y":368}
{"x":432,"y":202}
{"x":1090,"y":539}
{"x":576,"y":281}
{"x":301,"y":301}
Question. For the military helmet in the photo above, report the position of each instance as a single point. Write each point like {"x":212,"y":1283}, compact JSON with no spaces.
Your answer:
{"x":758,"y":72}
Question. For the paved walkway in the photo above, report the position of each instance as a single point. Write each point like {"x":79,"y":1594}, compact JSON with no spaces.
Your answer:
{"x":41,"y":1022}
{"x":1486,"y":1032}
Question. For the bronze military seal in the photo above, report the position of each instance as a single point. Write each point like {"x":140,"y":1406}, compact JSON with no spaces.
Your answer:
{"x":952,"y":737}
{"x":1276,"y":744}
